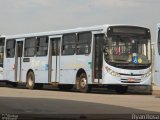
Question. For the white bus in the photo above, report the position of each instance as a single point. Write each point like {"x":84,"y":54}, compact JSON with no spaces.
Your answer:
{"x":114,"y":56}
{"x":157,"y":57}
{"x":2,"y":41}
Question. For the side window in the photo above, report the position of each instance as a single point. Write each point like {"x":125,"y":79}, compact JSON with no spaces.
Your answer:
{"x":10,"y":48}
{"x":68,"y":44}
{"x":159,"y":42}
{"x":84,"y":43}
{"x":30,"y":47}
{"x":42,"y":46}
{"x":55,"y":46}
{"x":20,"y":48}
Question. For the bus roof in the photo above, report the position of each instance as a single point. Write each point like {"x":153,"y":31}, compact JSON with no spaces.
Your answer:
{"x":59,"y":32}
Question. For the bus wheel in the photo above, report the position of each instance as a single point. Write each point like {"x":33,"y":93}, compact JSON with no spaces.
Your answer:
{"x":30,"y":80}
{"x":121,"y":89}
{"x":83,"y":84}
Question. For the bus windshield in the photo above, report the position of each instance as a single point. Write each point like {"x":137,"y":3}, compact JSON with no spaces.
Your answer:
{"x":129,"y":50}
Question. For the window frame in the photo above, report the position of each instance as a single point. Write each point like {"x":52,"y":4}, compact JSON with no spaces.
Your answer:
{"x":38,"y":40}
{"x":13,"y":48}
{"x":64,"y":43}
{"x":34,"y":46}
{"x":57,"y":43}
{"x":84,"y":42}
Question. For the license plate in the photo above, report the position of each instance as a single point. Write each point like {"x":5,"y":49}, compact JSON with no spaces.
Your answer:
{"x":131,"y":79}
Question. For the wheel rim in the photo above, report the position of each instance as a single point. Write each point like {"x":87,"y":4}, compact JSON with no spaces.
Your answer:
{"x":83,"y":82}
{"x":30,"y":81}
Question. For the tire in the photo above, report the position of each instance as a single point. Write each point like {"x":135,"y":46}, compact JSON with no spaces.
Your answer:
{"x":121,"y":89}
{"x":83,"y":83}
{"x":65,"y":87}
{"x":30,"y":80}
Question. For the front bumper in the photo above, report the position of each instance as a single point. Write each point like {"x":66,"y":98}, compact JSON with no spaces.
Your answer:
{"x":126,"y":80}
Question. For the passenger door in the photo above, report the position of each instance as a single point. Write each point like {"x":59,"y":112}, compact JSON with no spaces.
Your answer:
{"x":54,"y":59}
{"x":98,"y":57}
{"x":18,"y":59}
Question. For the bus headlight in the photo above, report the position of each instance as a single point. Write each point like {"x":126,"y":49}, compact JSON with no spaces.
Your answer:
{"x":146,"y":75}
{"x":112,"y":72}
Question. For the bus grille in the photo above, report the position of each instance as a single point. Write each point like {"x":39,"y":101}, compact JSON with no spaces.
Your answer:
{"x":131,"y":74}
{"x":126,"y":81}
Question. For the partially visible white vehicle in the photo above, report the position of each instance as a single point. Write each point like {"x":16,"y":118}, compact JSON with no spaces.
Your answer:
{"x":2,"y":41}
{"x":156,"y":67}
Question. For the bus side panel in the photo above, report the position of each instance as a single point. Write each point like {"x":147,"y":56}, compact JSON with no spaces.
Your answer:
{"x":156,"y":60}
{"x":67,"y":76}
{"x":39,"y":66}
{"x":27,"y":64}
{"x":85,"y":62}
{"x":23,"y":75}
{"x":41,"y":70}
{"x":9,"y":69}
{"x":68,"y":69}
{"x":156,"y":80}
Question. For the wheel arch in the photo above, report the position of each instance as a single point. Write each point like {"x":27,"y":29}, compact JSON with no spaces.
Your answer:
{"x":30,"y":70}
{"x":80,"y":71}
{"x":87,"y":87}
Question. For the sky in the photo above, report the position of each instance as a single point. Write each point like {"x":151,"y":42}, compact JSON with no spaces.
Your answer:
{"x":28,"y":16}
